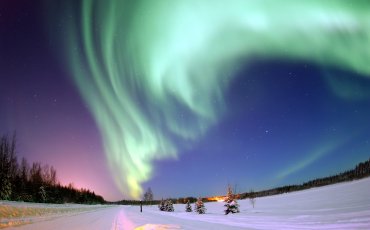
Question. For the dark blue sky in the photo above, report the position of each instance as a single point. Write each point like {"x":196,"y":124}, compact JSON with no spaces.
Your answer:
{"x":286,"y":121}
{"x":280,"y":115}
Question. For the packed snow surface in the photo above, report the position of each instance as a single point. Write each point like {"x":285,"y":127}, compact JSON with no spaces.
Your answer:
{"x":339,"y":206}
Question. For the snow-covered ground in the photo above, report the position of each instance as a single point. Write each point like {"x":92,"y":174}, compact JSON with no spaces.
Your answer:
{"x":339,"y":206}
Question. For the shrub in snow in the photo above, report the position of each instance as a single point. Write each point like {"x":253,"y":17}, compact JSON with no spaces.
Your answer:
{"x":231,"y":203}
{"x":169,"y":206}
{"x":188,"y":207}
{"x":161,"y":206}
{"x":199,"y":206}
{"x":232,"y":207}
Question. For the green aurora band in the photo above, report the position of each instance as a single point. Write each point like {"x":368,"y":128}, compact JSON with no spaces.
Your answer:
{"x":153,"y":72}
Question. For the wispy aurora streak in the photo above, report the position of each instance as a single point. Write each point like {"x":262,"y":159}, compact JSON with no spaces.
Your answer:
{"x":154,"y":72}
{"x":325,"y":148}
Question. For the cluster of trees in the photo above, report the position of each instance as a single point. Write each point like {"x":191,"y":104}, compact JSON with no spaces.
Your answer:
{"x":231,"y":204}
{"x":360,"y":171}
{"x":166,"y":205}
{"x":198,"y":206}
{"x":36,"y":182}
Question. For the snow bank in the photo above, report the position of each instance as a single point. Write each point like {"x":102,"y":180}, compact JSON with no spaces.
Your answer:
{"x":20,"y":213}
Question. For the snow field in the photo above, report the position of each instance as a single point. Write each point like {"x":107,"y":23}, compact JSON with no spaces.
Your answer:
{"x":339,"y":206}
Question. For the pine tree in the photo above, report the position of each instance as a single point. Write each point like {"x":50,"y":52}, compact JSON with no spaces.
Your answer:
{"x":6,"y":187}
{"x":42,"y":194}
{"x":199,"y":206}
{"x":161,"y":206}
{"x":231,"y":203}
{"x":188,"y":207}
{"x":169,"y":206}
{"x":8,"y":167}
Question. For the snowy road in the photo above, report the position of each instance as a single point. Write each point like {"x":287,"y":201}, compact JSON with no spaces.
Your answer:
{"x":339,"y":206}
{"x":120,"y":217}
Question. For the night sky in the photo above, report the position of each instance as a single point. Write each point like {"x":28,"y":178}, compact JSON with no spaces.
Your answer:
{"x":186,"y":97}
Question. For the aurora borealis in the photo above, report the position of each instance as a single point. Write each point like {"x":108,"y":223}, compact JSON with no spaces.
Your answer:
{"x":177,"y":85}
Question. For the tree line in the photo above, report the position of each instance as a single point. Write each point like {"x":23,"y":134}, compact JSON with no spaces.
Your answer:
{"x":21,"y":181}
{"x":360,"y":171}
{"x":156,"y":202}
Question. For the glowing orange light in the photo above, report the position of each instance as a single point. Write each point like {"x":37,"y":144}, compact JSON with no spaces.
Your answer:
{"x":217,"y":198}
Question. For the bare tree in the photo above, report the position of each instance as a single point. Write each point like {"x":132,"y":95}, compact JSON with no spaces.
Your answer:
{"x":53,"y":176}
{"x":252,"y":197}
{"x":25,"y":170}
{"x":46,"y":174}
{"x":148,"y":195}
{"x":49,"y":175}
